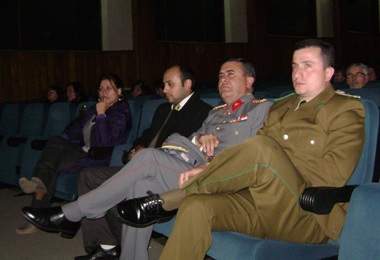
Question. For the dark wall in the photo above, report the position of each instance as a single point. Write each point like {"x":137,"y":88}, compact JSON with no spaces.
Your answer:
{"x":26,"y":74}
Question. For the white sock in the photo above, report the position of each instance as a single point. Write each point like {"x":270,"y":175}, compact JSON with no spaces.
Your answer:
{"x":107,"y":247}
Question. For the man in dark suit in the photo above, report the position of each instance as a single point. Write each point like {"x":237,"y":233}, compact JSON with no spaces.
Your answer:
{"x":189,"y":113}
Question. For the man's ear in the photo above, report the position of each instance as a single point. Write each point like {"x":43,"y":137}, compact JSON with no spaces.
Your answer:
{"x":188,"y":84}
{"x":329,"y":72}
{"x":250,"y":81}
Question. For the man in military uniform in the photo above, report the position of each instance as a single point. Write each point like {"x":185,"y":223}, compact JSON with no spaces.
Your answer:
{"x":311,"y":138}
{"x":157,"y":170}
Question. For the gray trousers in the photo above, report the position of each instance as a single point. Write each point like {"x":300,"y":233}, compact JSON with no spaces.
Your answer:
{"x":150,"y":169}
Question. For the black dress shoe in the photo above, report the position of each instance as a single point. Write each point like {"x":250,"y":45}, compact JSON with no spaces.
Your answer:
{"x":100,"y":253}
{"x":51,"y":220}
{"x":143,"y":212}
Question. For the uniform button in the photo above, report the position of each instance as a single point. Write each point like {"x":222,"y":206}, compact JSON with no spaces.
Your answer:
{"x":236,"y":132}
{"x":312,"y":142}
{"x":224,"y":121}
{"x":217,"y":128}
{"x":286,"y":137}
{"x":229,"y":112}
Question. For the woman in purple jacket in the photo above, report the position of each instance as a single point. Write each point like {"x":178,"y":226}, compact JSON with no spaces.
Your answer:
{"x":106,"y":124}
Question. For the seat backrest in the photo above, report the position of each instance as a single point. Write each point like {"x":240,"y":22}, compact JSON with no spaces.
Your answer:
{"x":33,"y":119}
{"x":135,"y":108}
{"x":83,"y":107}
{"x":364,"y":170}
{"x":11,"y":118}
{"x":60,"y":115}
{"x":213,"y":101}
{"x":367,"y":93}
{"x":360,"y":237}
{"x":147,"y":113}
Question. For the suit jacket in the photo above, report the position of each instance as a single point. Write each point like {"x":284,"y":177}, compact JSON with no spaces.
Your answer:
{"x":185,"y":121}
{"x":324,"y":140}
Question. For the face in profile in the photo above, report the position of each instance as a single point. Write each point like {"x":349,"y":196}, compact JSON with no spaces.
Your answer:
{"x":174,"y":89}
{"x":233,"y":82}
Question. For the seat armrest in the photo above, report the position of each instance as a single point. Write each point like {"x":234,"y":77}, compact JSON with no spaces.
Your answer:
{"x":321,"y":200}
{"x":16,"y":141}
{"x":99,"y":153}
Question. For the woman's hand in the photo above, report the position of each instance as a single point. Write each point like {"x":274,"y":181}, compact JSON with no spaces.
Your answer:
{"x":102,"y":106}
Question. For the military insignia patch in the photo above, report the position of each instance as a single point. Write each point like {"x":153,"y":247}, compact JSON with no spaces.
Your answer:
{"x":219,"y":107}
{"x":258,"y":101}
{"x":342,"y":93}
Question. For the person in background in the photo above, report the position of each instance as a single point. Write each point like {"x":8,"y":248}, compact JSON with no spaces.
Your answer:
{"x":75,"y":93}
{"x":159,"y":90}
{"x":339,"y":75}
{"x":372,"y":76}
{"x":140,"y":89}
{"x":54,"y":94}
{"x":106,"y":124}
{"x":357,"y":75}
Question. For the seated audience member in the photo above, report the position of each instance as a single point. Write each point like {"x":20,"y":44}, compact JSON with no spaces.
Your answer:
{"x":312,"y":138}
{"x":140,"y":89}
{"x":75,"y":93}
{"x":158,"y":169}
{"x":54,"y":94}
{"x":372,"y":76}
{"x":339,"y":76}
{"x":159,"y":91}
{"x":106,"y":124}
{"x":98,"y":234}
{"x":357,"y":75}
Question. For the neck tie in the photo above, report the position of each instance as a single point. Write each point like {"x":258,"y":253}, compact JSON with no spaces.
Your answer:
{"x":153,"y":142}
{"x":300,"y":104}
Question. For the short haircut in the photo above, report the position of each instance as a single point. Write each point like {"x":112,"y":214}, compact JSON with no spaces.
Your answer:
{"x":186,"y":73}
{"x":248,"y":68}
{"x":361,"y":65}
{"x":327,"y":50}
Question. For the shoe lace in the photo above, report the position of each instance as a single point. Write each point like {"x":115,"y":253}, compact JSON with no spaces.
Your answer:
{"x":152,"y":201}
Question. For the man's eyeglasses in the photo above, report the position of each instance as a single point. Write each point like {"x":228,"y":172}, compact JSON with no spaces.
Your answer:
{"x":356,"y":75}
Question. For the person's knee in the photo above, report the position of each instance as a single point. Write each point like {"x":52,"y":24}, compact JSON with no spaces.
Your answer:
{"x":84,"y":180}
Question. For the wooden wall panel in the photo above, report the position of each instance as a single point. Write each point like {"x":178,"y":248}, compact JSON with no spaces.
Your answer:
{"x":26,"y":75}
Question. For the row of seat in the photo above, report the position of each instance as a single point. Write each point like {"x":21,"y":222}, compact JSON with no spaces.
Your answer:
{"x":25,"y":127}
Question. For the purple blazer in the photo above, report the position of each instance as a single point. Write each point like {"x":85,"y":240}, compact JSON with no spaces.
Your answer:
{"x":108,"y":131}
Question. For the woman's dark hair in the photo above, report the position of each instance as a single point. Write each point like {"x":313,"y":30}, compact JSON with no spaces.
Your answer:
{"x":114,"y":79}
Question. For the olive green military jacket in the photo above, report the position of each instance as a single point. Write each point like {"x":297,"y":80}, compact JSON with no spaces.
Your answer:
{"x":323,"y":139}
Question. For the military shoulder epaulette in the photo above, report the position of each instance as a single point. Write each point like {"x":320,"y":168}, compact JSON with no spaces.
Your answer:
{"x":259,"y":100}
{"x":219,"y":107}
{"x":342,"y":93}
{"x":284,"y":97}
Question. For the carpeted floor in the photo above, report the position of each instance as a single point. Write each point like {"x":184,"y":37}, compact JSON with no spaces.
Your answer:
{"x":39,"y":245}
